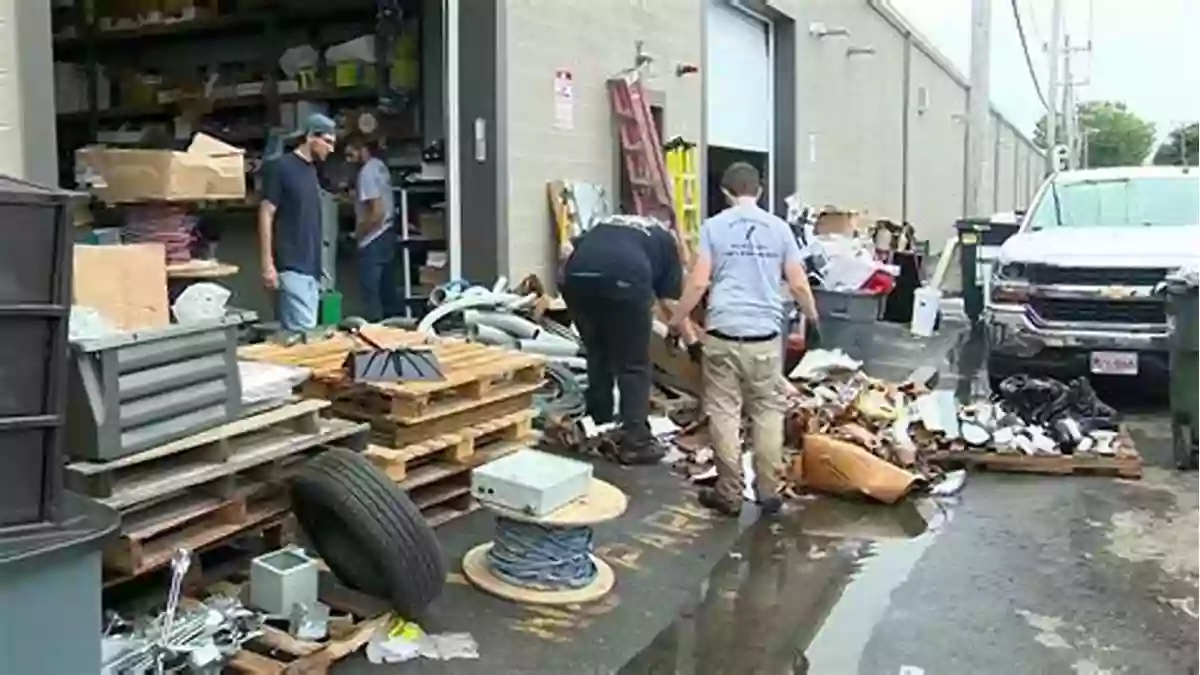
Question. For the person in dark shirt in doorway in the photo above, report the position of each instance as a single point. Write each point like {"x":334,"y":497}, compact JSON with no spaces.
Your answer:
{"x":612,"y":278}
{"x":289,"y":226}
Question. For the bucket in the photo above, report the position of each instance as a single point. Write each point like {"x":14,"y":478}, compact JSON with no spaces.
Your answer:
{"x":925,"y":311}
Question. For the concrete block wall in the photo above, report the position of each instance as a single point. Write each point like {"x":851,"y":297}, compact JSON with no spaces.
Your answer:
{"x":850,"y":123}
{"x":593,"y":40}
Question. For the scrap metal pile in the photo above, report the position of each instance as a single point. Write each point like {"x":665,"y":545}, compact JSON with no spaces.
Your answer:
{"x":186,"y":637}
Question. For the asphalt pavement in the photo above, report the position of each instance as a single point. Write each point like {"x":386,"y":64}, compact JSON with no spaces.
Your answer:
{"x":1017,"y":575}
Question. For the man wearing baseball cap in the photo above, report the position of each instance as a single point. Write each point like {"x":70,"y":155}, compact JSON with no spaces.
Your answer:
{"x":289,"y":225}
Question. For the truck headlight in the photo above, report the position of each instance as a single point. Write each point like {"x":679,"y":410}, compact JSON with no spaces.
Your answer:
{"x":1012,"y":271}
{"x":1009,"y":284}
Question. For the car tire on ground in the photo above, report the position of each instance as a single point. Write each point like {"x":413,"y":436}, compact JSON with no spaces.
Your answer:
{"x":367,"y":530}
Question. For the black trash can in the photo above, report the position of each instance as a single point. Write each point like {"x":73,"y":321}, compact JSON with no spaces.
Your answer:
{"x":979,"y":241}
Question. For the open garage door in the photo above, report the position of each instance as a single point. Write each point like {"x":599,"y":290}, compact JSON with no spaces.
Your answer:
{"x":737,"y":78}
{"x":739,"y":106}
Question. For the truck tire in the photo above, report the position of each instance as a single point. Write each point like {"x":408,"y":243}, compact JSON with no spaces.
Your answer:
{"x":370,"y":534}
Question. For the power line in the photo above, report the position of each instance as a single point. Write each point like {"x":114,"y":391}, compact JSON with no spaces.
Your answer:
{"x":1037,"y":86}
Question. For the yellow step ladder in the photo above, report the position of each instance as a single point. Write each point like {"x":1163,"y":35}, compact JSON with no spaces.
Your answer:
{"x":685,"y":190}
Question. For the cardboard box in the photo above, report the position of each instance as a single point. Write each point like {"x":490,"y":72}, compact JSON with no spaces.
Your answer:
{"x":434,"y":276}
{"x":125,"y":284}
{"x":208,"y":170}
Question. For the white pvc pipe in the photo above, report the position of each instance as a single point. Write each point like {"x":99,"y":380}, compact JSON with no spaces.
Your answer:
{"x":548,"y":347}
{"x":571,"y":362}
{"x":510,"y":323}
{"x":489,"y":335}
{"x":454,"y":153}
{"x":501,"y":284}
{"x":463,"y":302}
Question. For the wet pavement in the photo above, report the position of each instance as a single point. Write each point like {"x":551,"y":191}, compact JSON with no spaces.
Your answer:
{"x":1018,"y":574}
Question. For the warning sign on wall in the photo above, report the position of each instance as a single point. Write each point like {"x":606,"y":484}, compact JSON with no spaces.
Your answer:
{"x":564,"y":100}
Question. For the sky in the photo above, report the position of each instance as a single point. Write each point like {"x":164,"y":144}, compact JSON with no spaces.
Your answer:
{"x":1143,"y":52}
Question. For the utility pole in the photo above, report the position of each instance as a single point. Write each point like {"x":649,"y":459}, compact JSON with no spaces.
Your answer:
{"x":1070,"y":135}
{"x":979,"y":104}
{"x":1056,"y":22}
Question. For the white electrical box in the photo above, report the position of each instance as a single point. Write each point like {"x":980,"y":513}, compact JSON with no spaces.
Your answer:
{"x":531,"y":482}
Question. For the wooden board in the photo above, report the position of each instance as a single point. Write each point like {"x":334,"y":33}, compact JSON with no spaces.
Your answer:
{"x":441,"y":419}
{"x":457,"y":447}
{"x":201,"y":269}
{"x":264,"y":451}
{"x":126,"y":284}
{"x":262,"y":519}
{"x":1125,"y":466}
{"x":471,"y":371}
{"x":302,"y":416}
{"x":148,"y":540}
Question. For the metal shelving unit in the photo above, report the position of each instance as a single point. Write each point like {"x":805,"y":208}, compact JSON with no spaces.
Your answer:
{"x":408,"y":190}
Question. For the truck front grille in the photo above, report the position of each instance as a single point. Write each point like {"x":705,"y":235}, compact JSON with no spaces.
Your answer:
{"x":1050,"y":275}
{"x":1100,"y":311}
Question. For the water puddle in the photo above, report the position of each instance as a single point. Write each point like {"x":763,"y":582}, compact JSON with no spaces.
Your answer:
{"x":798,"y":595}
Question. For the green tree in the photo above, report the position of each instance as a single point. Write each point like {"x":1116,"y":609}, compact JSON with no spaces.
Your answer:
{"x":1182,"y":147}
{"x":1115,"y":135}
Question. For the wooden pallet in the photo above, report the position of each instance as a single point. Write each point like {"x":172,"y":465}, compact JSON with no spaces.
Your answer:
{"x":472,"y":372}
{"x":354,"y":618}
{"x":1126,"y":465}
{"x":193,"y":521}
{"x":265,"y":519}
{"x":448,"y":419}
{"x":271,"y":439}
{"x":455,"y":448}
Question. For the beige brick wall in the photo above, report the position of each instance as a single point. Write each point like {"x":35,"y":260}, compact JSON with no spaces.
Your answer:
{"x":594,"y":39}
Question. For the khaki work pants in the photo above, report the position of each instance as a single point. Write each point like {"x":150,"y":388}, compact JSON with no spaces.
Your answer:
{"x":748,"y":374}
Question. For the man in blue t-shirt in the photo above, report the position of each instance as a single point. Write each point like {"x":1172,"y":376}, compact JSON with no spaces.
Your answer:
{"x":374,"y":217}
{"x":744,"y":259}
{"x":289,"y":226}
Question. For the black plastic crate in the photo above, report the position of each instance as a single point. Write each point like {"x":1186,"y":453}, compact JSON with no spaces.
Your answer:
{"x":35,"y":305}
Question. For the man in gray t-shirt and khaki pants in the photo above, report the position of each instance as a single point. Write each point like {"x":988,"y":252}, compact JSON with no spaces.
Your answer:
{"x":745,"y":255}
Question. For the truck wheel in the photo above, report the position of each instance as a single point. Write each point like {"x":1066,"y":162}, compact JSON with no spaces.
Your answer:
{"x":368,"y":531}
{"x":1183,"y":444}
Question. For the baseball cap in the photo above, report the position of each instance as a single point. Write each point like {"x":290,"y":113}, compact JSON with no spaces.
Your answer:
{"x":318,"y":124}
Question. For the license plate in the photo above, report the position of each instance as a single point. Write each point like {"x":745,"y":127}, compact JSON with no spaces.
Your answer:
{"x":1115,"y":363}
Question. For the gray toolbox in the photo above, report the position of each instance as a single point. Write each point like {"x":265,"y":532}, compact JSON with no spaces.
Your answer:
{"x":137,"y":390}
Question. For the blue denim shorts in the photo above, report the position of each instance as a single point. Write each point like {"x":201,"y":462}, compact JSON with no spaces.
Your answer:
{"x":297,"y":300}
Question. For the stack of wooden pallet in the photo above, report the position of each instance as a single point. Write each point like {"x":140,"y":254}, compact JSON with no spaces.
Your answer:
{"x":208,"y":488}
{"x":428,"y":434}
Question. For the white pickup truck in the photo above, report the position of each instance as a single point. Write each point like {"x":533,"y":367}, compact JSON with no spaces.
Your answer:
{"x":1071,"y":292}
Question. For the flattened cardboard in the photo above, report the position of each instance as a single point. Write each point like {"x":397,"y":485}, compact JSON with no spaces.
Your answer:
{"x":126,"y":284}
{"x":674,"y":368}
{"x":209,"y":170}
{"x":838,"y":467}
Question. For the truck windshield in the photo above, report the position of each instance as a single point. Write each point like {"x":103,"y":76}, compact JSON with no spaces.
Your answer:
{"x":1127,"y":202}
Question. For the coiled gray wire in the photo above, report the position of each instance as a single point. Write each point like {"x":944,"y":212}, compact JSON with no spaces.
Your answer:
{"x":539,"y":556}
{"x":562,"y":395}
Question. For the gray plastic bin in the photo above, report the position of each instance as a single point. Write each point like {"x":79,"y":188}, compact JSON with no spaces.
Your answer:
{"x":50,"y":586}
{"x":848,"y":321}
{"x":135,"y":391}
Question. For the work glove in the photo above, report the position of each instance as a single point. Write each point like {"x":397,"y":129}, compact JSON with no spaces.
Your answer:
{"x":812,"y":335}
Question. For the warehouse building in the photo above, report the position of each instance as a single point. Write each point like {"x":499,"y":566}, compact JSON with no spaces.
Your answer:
{"x":839,"y":101}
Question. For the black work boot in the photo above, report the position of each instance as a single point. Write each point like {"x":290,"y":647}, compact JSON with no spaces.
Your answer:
{"x":639,"y":450}
{"x":712,"y":499}
{"x":770,"y":506}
